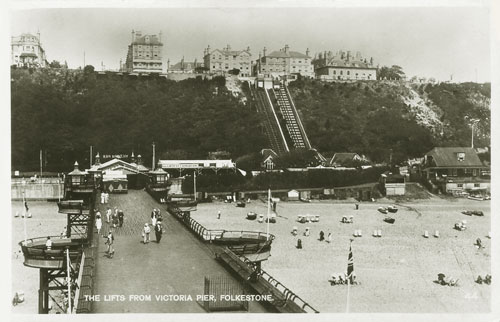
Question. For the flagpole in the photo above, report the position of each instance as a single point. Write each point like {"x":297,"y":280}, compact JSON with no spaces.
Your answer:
{"x":24,"y":220}
{"x":194,"y":183}
{"x":348,"y":293}
{"x":69,"y":281}
{"x":41,"y":166}
{"x":350,"y":262}
{"x":268,"y":210}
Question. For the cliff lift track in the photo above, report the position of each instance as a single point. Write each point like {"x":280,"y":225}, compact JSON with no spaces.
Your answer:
{"x":294,"y":125}
{"x":271,"y":123}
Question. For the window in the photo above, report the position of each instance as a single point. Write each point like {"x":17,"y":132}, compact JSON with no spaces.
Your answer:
{"x":348,"y":73}
{"x":460,"y":185}
{"x":341,"y":72}
{"x":474,"y":172}
{"x":461,"y":156}
{"x":75,"y":180}
{"x":476,"y":185}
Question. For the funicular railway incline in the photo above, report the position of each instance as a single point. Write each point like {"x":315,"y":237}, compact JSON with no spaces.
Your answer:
{"x":281,"y":119}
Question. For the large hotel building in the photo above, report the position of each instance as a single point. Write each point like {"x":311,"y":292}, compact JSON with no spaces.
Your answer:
{"x":221,"y":61}
{"x":144,"y":54}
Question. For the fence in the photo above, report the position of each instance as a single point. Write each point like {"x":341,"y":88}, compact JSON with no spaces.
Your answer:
{"x":244,"y":265}
{"x":217,"y":289}
{"x":37,"y":190}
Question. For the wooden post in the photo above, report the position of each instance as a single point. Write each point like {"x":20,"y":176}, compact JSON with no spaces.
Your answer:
{"x":43,"y":292}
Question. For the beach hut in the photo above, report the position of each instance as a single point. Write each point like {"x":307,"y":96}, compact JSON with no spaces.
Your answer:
{"x":293,"y":195}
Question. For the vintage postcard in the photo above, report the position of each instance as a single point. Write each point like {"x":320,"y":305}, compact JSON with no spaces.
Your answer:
{"x":270,"y":157}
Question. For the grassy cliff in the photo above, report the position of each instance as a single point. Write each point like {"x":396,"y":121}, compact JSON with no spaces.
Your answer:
{"x":375,"y":118}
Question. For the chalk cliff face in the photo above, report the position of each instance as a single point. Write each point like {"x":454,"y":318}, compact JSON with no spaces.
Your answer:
{"x":377,"y":116}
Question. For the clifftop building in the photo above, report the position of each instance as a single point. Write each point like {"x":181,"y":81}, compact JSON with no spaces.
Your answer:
{"x":221,"y":61}
{"x":344,"y":66}
{"x":184,"y":66}
{"x":284,"y":62}
{"x":27,"y":51}
{"x":144,"y":54}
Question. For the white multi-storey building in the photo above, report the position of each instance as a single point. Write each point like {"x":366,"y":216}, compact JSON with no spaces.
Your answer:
{"x":27,"y":51}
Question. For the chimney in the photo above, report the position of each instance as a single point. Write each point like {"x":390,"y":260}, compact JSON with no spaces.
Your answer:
{"x":348,"y":55}
{"x":133,"y":35}
{"x":168,"y":64}
{"x":132,"y":158}
{"x":139,"y":159}
{"x":286,"y":49}
{"x":307,"y":52}
{"x":358,"y":55}
{"x":264,"y":52}
{"x":228,"y":47}
{"x":76,"y":165}
{"x":371,"y":61}
{"x":97,"y":159}
{"x":248,"y":48}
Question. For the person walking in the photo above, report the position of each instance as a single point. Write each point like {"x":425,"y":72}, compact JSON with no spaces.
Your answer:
{"x":121,"y":217}
{"x":98,"y":223}
{"x":108,"y":215}
{"x":115,"y":219}
{"x":110,"y":239}
{"x":154,"y":217}
{"x":158,"y":231}
{"x":329,"y":238}
{"x":145,"y":233}
{"x":218,"y":214}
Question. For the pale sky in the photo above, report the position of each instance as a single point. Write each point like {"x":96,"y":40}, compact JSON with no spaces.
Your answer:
{"x":425,"y":41}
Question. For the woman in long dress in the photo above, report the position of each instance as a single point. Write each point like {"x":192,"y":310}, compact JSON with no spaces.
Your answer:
{"x":98,"y":224}
{"x":154,"y":217}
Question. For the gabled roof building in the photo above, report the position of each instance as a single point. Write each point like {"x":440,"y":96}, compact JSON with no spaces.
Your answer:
{"x":344,"y":66}
{"x":221,"y":61}
{"x":27,"y":51}
{"x":184,"y":66}
{"x":454,"y":169}
{"x":144,"y":54}
{"x":284,"y":62}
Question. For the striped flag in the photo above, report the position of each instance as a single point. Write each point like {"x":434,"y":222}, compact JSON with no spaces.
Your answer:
{"x":350,"y":263}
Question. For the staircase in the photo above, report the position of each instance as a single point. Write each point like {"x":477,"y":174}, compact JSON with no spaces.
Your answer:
{"x":293,"y":124}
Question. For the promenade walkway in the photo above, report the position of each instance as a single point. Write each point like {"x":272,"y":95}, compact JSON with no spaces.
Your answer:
{"x":176,"y":266}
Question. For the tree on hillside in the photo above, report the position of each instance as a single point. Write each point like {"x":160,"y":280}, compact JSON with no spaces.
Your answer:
{"x":55,"y":64}
{"x":298,"y":158}
{"x":234,"y":71}
{"x":394,"y":72}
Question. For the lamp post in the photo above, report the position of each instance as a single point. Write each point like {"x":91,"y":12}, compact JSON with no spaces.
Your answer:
{"x":473,"y":123}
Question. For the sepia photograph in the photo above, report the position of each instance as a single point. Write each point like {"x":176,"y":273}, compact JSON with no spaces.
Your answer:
{"x":328,"y":157}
